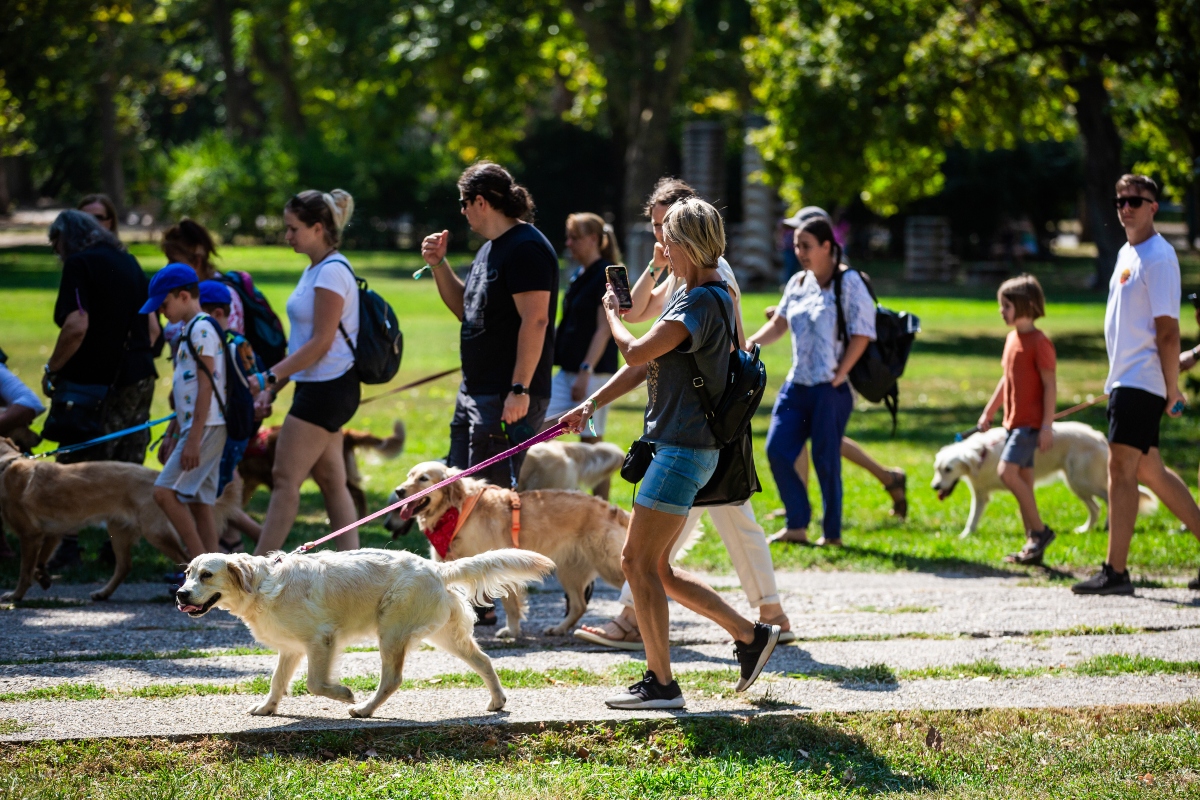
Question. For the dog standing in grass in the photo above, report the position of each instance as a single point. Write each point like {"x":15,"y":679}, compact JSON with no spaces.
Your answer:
{"x":316,"y":604}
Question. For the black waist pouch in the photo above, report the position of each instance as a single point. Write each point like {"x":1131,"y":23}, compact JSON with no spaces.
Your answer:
{"x":637,"y":461}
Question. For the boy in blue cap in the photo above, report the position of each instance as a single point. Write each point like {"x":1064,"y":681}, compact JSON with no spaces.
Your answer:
{"x":187,"y":487}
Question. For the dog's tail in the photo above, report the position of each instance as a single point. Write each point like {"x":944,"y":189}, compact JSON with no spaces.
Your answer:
{"x":495,"y":573}
{"x":1147,"y":502}
{"x":390,"y":447}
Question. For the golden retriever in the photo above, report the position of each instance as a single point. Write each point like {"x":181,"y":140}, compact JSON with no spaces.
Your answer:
{"x":315,"y":604}
{"x":569,"y":465}
{"x":581,"y":534}
{"x":41,"y":500}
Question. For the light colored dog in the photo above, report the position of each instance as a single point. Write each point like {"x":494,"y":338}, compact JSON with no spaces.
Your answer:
{"x":581,"y":534}
{"x":1079,"y":456}
{"x":314,"y":605}
{"x":40,"y":501}
{"x":569,"y":465}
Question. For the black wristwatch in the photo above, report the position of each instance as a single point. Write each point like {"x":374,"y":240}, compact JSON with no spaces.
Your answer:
{"x":519,"y":389}
{"x":272,"y":378}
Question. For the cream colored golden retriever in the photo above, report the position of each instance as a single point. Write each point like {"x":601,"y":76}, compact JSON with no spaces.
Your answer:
{"x":569,"y":465}
{"x":314,"y":605}
{"x":581,"y":534}
{"x":41,"y":500}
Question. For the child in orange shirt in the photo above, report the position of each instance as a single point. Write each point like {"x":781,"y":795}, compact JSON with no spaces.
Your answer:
{"x":1028,"y":390}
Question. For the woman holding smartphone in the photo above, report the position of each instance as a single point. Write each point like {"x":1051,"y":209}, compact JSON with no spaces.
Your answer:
{"x":690,"y":332}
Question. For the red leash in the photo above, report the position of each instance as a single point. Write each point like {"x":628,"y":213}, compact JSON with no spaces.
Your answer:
{"x":544,"y":436}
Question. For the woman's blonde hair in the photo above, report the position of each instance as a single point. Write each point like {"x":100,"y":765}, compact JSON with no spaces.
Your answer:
{"x":588,"y":224}
{"x":332,"y":209}
{"x":696,"y":227}
{"x":1025,"y":294}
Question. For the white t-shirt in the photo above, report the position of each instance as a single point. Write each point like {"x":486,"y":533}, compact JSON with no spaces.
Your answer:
{"x":332,"y":274}
{"x":724,"y":270}
{"x":186,"y":382}
{"x":811,"y":315}
{"x":1144,"y":285}
{"x":14,"y":392}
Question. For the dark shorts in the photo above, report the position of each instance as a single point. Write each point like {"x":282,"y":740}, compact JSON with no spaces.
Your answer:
{"x":1020,"y":447}
{"x":128,"y":406}
{"x":1134,"y":416}
{"x":327,"y":404}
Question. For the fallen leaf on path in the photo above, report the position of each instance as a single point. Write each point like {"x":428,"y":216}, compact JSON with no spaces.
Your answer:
{"x":933,"y":739}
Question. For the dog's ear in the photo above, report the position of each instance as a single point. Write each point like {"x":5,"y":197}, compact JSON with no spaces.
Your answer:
{"x":242,"y":573}
{"x":456,"y":493}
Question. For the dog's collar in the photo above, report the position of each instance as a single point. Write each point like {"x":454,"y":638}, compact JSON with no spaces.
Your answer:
{"x":452,"y":520}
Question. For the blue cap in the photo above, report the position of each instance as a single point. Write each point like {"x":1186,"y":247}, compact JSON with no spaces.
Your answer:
{"x":172,"y":276}
{"x":214,"y":293}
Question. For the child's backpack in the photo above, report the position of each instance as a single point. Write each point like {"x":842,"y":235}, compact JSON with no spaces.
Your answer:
{"x":237,"y":406}
{"x":264,"y":331}
{"x":877,"y":371}
{"x":380,"y":342}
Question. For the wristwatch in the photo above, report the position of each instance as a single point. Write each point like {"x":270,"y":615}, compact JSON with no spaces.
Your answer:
{"x":519,"y":389}
{"x":272,"y":379}
{"x":585,"y":367}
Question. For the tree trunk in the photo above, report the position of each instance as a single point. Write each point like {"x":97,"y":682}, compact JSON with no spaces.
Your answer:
{"x":112,"y":172}
{"x":5,"y":197}
{"x":243,"y":114}
{"x":279,"y":67}
{"x":1102,"y":168}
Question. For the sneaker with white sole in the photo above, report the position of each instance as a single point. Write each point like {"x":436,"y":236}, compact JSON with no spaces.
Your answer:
{"x":753,"y":657}
{"x":648,"y":693}
{"x":1106,"y":581}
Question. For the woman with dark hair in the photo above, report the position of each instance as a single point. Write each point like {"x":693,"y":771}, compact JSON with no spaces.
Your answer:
{"x":323,"y":316}
{"x":815,"y":400}
{"x":584,"y":349}
{"x":102,"y":208}
{"x":506,"y":306}
{"x":189,"y":242}
{"x":104,"y":341}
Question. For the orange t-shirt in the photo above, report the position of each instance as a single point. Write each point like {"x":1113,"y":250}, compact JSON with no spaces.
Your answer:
{"x":1024,"y":355}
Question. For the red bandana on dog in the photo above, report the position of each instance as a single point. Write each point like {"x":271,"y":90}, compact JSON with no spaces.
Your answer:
{"x":443,"y":532}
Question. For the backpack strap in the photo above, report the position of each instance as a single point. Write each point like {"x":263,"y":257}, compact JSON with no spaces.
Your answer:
{"x":187,"y":338}
{"x":710,"y":412}
{"x":346,"y":336}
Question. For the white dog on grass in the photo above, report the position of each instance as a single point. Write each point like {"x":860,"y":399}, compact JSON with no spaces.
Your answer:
{"x":1079,"y":456}
{"x":315,"y":605}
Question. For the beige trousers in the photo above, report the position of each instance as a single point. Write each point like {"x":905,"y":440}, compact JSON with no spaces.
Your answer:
{"x":747,"y":546}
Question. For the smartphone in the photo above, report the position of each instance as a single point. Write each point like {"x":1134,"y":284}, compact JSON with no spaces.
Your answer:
{"x":618,"y":276}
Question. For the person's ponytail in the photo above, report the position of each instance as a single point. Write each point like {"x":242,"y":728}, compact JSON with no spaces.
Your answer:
{"x":332,"y":209}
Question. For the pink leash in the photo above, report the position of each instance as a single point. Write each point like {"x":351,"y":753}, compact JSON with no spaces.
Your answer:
{"x":544,"y":436}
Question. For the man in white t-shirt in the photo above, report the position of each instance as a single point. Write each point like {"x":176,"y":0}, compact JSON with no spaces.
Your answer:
{"x":1141,"y":332}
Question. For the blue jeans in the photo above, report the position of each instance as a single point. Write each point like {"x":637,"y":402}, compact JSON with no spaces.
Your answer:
{"x":801,"y":413}
{"x":674,"y":478}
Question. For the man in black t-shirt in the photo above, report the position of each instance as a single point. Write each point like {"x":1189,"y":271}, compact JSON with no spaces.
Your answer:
{"x":506,"y":306}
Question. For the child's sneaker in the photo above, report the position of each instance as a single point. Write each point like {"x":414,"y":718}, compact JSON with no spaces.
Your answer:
{"x":1034,"y":549}
{"x":1106,"y":581}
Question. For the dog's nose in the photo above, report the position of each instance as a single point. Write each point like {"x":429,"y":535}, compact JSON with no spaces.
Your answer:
{"x":182,"y":595}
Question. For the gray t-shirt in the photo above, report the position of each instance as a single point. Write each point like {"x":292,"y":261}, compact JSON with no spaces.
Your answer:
{"x":674,"y":415}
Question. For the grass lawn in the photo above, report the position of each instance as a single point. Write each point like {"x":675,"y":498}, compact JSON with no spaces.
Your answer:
{"x":1128,"y":752}
{"x":954,"y":367}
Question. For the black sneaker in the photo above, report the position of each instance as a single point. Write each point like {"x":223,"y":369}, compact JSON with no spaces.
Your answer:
{"x":1034,"y":549}
{"x":1106,"y":581}
{"x":66,"y":555}
{"x":648,"y":693}
{"x":753,"y":657}
{"x":1194,"y":583}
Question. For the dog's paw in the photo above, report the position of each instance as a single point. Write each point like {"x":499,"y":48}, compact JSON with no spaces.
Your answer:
{"x":497,"y":702}
{"x":361,"y":711}
{"x":507,"y":633}
{"x":263,"y":709}
{"x":42,"y":576}
{"x":99,"y":596}
{"x":9,"y":597}
{"x":555,"y":630}
{"x":341,"y":693}
{"x":964,"y":534}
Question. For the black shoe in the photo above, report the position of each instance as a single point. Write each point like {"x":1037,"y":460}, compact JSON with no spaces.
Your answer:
{"x":66,"y":556}
{"x":485,"y":616}
{"x":1034,"y":549}
{"x":648,"y":693}
{"x":1106,"y":581}
{"x":176,"y":578}
{"x":1194,"y":583}
{"x":753,"y":657}
{"x":587,"y":598}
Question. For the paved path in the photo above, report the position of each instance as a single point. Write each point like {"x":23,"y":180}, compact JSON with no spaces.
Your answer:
{"x":914,"y":620}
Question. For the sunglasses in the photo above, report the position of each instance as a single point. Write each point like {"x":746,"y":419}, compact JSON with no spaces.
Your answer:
{"x":464,"y":202}
{"x":1132,"y":202}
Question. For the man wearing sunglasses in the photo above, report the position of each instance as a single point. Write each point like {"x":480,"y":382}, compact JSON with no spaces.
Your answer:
{"x":1141,"y":332}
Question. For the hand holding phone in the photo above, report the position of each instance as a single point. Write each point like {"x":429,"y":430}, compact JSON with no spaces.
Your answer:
{"x":618,"y":279}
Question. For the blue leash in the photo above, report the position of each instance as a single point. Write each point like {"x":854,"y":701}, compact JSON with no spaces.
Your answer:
{"x":105,"y":438}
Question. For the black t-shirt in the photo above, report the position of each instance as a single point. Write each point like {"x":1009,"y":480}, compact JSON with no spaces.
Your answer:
{"x":110,"y":286}
{"x":578,"y":323}
{"x":519,"y":260}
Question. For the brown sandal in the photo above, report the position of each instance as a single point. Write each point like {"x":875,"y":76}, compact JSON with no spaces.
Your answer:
{"x":631,"y":637}
{"x":898,"y":483}
{"x":783,"y":538}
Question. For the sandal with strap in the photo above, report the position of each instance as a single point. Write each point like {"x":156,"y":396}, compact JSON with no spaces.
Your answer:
{"x":631,"y":637}
{"x":785,"y":637}
{"x":899,"y":482}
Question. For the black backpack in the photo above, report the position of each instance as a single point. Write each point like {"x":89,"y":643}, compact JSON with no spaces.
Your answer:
{"x":380,"y":342}
{"x":877,"y":371}
{"x":237,"y":406}
{"x":264,"y":331}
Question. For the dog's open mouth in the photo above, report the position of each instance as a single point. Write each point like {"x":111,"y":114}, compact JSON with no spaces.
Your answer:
{"x":198,"y":611}
{"x":413,"y":508}
{"x":944,"y":493}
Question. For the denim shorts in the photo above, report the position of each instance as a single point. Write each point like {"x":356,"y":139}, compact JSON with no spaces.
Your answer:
{"x":1020,"y":447}
{"x":675,"y":476}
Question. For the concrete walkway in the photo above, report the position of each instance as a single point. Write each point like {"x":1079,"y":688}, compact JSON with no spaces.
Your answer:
{"x":902,"y":620}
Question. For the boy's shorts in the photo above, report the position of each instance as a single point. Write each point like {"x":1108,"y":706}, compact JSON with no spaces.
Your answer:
{"x":197,"y":485}
{"x":1020,"y":447}
{"x":1134,"y":416}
